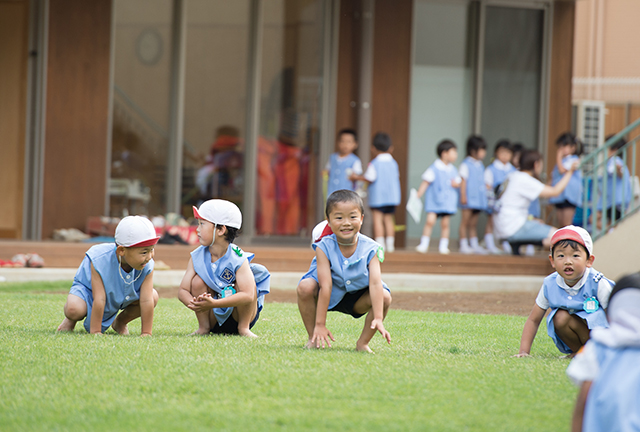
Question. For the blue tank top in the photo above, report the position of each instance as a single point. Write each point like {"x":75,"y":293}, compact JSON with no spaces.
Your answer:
{"x":559,"y":299}
{"x":385,"y":190}
{"x":338,"y":178}
{"x":573,"y":192}
{"x":500,"y":175}
{"x":534,"y":208}
{"x":222,"y":273}
{"x":475,"y":187}
{"x":119,"y":293}
{"x":347,"y":274}
{"x":614,"y":397}
{"x":441,"y":196}
{"x":618,"y":188}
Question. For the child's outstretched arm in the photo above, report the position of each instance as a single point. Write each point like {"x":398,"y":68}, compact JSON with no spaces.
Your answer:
{"x":99,"y":301}
{"x":423,"y":188}
{"x":321,"y":334}
{"x":530,"y":330}
{"x":147,"y":305}
{"x":463,"y":191}
{"x":377,"y":298}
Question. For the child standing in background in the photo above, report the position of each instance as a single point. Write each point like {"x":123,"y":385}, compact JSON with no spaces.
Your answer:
{"x":494,"y":176}
{"x":383,"y":177}
{"x":473,"y":194}
{"x":440,"y":182}
{"x":115,"y":277}
{"x":618,"y":195}
{"x":569,"y":150}
{"x":343,"y":163}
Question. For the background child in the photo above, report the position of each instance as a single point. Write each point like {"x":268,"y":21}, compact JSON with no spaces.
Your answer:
{"x":618,"y":194}
{"x":494,"y":175}
{"x":440,"y":182}
{"x":607,"y":369}
{"x":115,"y":277}
{"x":343,"y":163}
{"x":535,"y":210}
{"x":220,"y":286}
{"x":383,"y":177}
{"x":569,"y":151}
{"x":576,"y":293}
{"x":344,"y":276}
{"x":473,"y":194}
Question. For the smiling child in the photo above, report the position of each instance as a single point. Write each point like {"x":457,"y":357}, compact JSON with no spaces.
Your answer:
{"x":576,"y":293}
{"x":344,"y":276}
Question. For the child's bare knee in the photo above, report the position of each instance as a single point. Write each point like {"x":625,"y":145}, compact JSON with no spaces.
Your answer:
{"x":156,"y":296}
{"x":307,"y":288}
{"x":75,"y":309}
{"x":387,"y":299}
{"x":561,"y":318}
{"x":198,"y":286}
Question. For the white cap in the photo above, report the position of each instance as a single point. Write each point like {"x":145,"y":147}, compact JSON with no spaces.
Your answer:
{"x":572,"y":232}
{"x":219,"y":212}
{"x":136,"y":231}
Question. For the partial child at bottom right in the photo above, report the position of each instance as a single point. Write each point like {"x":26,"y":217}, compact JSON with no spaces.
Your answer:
{"x":576,"y":293}
{"x":607,"y":369}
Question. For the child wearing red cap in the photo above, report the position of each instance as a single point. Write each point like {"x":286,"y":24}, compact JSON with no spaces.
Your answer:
{"x":224,"y":290}
{"x":115,"y":277}
{"x":576,"y":293}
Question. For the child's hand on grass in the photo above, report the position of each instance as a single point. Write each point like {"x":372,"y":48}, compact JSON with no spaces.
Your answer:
{"x":202,"y":303}
{"x":376,"y":324}
{"x":522,"y":354}
{"x":321,"y":335}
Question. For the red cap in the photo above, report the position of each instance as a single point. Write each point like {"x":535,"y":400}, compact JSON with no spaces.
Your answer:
{"x":577,"y":234}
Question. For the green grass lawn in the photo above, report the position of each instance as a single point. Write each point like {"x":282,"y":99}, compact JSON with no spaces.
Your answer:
{"x":442,"y":372}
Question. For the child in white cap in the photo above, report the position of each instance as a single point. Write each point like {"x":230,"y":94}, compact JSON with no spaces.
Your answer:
{"x":576,"y":293}
{"x":115,"y":277}
{"x":607,"y":369}
{"x":220,"y":286}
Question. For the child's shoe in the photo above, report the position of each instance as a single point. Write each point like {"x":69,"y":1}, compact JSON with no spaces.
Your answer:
{"x":465,"y":249}
{"x":507,"y":247}
{"x":422,"y":248}
{"x":530,"y":250}
{"x":390,"y":244}
{"x":480,"y":250}
{"x":444,"y":250}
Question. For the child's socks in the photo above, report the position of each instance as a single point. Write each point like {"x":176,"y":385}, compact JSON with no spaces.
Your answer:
{"x":424,"y":244}
{"x":443,"y":248}
{"x":391,"y":246}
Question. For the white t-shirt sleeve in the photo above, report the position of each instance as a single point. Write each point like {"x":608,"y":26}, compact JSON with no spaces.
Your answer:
{"x":429,"y":175}
{"x":530,"y":188}
{"x":488,"y":177}
{"x":604,"y":292}
{"x":541,"y":300}
{"x":370,"y":174}
{"x":464,"y":171}
{"x":357,"y":167}
{"x":584,"y":367}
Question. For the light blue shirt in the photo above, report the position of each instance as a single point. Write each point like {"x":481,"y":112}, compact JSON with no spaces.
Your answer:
{"x":338,"y":168}
{"x":385,"y":189}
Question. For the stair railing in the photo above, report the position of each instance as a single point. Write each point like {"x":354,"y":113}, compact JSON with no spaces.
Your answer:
{"x":610,"y":185}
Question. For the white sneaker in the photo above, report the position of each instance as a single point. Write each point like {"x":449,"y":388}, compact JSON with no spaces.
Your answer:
{"x":530,"y":250}
{"x":390,"y":248}
{"x":480,"y":250}
{"x":444,"y":251}
{"x":495,"y":251}
{"x":466,"y":249}
{"x":422,"y":249}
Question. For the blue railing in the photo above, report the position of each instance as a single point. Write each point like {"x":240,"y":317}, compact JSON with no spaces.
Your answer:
{"x":610,"y":184}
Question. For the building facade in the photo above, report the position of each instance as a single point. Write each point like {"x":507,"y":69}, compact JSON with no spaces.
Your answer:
{"x":150,"y":106}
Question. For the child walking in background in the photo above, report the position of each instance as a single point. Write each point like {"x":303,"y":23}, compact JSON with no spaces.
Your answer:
{"x":115,"y":277}
{"x":473,"y":195}
{"x":576,"y":293}
{"x":569,"y":151}
{"x":344,"y":275}
{"x":618,"y":195}
{"x":440,"y":182}
{"x":220,"y":286}
{"x":607,"y":369}
{"x":383,"y":177}
{"x":494,"y":175}
{"x":343,"y":163}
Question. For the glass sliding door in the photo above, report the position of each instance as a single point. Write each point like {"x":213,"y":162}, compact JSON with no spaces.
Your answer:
{"x":512,"y":75}
{"x":142,"y":71}
{"x":217,"y":50}
{"x":442,"y":85}
{"x":290,"y":116}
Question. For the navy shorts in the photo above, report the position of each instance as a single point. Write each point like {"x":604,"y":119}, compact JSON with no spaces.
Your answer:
{"x":230,"y":326}
{"x":348,"y":302}
{"x":564,"y":204}
{"x":390,"y":209}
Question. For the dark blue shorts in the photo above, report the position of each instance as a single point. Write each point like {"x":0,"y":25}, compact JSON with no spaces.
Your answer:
{"x":230,"y":326}
{"x":390,"y":209}
{"x":348,"y":302}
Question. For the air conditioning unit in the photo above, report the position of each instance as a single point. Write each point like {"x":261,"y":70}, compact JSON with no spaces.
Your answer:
{"x":588,"y":123}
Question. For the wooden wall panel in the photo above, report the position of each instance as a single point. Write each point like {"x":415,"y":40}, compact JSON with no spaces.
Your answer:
{"x":392,"y":85}
{"x":14,"y":25}
{"x":614,"y":119}
{"x":560,"y":78}
{"x":348,"y":66}
{"x":76,"y":113}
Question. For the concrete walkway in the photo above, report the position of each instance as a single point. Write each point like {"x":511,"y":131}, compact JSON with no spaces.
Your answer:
{"x":289,"y":280}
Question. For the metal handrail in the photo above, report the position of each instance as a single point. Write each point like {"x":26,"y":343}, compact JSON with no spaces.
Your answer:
{"x":601,"y":201}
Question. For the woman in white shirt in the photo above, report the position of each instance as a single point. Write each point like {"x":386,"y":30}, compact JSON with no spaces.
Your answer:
{"x":511,"y":222}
